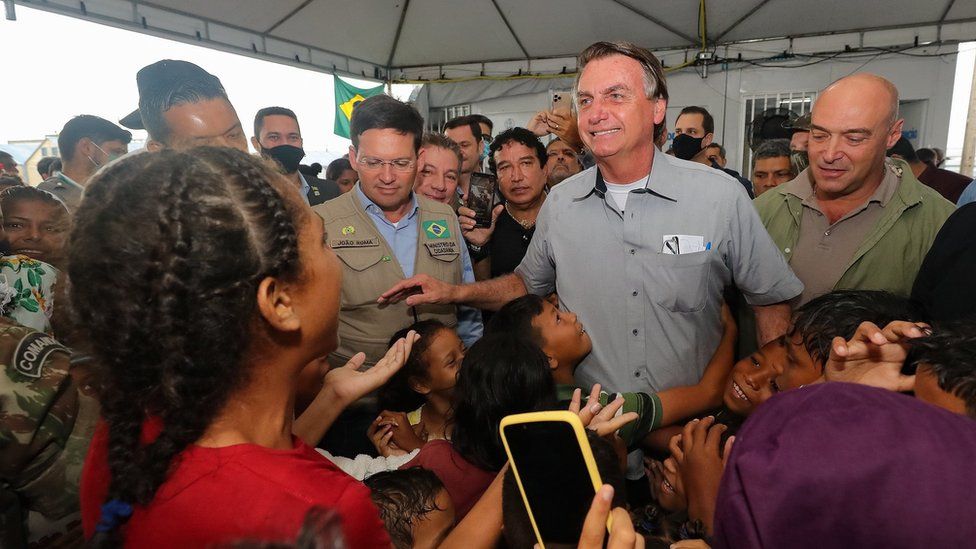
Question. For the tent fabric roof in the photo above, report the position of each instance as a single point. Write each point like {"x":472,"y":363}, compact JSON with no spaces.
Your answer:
{"x":381,"y":34}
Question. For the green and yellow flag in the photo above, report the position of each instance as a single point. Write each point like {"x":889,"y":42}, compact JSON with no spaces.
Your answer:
{"x":346,"y":97}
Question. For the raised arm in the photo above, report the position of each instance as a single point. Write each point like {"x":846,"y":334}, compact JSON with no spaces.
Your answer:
{"x":343,"y":386}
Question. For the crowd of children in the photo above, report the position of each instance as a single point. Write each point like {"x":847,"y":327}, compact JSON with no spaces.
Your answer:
{"x":193,"y":295}
{"x":199,"y":294}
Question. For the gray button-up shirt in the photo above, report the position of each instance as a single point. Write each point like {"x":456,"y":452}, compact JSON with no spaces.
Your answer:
{"x":653,"y":316}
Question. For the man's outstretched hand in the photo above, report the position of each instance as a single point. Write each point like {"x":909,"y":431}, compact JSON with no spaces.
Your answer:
{"x":419,"y":290}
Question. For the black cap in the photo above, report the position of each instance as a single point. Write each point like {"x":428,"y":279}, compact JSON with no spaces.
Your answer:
{"x":159,"y":78}
{"x":801,"y":124}
{"x":133,"y":121}
{"x":168,"y":73}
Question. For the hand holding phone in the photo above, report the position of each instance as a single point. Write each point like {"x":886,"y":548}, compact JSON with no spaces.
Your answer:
{"x":560,"y":99}
{"x":481,"y":197}
{"x":555,"y":472}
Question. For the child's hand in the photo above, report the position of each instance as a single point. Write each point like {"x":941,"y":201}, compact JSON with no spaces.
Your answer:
{"x":874,"y":356}
{"x":665,"y":484}
{"x":652,"y":470}
{"x":348,"y":384}
{"x":701,"y":467}
{"x":602,"y":421}
{"x":622,"y":534}
{"x":404,"y":437}
{"x":675,"y":447}
{"x":381,"y":435}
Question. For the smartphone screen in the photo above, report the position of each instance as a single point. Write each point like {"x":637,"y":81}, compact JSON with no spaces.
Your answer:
{"x":555,"y":478}
{"x":481,"y":197}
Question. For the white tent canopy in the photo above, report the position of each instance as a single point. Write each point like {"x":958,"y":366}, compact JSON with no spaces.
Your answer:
{"x":378,"y":38}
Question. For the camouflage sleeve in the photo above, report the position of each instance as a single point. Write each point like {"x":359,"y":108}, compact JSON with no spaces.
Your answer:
{"x":38,"y":404}
{"x":648,"y":409}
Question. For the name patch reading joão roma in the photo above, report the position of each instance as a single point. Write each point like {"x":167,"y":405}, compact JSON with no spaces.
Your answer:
{"x":354,"y":242}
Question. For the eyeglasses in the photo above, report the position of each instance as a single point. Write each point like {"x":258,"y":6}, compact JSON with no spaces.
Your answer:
{"x":400,"y":164}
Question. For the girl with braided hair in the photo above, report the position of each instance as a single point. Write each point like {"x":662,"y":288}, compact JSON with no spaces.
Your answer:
{"x":204,"y":286}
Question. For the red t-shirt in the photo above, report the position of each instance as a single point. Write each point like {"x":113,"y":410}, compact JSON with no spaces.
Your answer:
{"x":464,"y":482}
{"x":239,"y":492}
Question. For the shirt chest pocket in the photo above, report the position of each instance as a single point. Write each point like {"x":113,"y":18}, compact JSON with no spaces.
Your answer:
{"x":679,"y":283}
{"x":364,"y":278}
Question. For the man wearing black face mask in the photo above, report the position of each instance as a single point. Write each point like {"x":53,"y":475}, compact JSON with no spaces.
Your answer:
{"x":86,"y":143}
{"x":694,"y":131}
{"x":278,"y":137}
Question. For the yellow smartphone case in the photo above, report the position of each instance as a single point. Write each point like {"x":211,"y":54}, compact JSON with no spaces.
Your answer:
{"x":563,"y":416}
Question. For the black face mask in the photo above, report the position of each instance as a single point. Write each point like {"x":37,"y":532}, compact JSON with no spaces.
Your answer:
{"x":686,"y":147}
{"x":288,"y":156}
{"x":799,"y":160}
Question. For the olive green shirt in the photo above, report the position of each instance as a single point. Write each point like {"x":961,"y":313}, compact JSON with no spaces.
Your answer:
{"x":824,"y":249}
{"x":889,"y":255}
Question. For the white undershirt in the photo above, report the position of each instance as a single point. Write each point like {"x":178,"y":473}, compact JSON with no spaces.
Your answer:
{"x":619,"y":192}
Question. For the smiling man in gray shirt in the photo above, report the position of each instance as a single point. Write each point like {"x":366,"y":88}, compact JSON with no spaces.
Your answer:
{"x":641,"y":246}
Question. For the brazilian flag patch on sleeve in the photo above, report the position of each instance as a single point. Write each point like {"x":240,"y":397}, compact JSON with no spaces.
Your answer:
{"x":437,"y":229}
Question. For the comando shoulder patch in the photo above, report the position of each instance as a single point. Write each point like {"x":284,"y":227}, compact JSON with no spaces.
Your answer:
{"x":32,"y":351}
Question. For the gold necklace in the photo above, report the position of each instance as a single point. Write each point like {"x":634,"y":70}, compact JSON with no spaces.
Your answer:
{"x":525,"y":224}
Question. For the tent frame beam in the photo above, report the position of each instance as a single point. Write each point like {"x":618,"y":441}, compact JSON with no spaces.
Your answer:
{"x":287,"y":16}
{"x":379,"y":72}
{"x":938,"y":24}
{"x":511,"y":30}
{"x":654,"y":20}
{"x":396,"y":37}
{"x":740,"y":20}
{"x":945,"y":12}
{"x":257,"y":49}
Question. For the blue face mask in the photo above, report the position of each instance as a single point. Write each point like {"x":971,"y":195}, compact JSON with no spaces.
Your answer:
{"x":484,"y":149}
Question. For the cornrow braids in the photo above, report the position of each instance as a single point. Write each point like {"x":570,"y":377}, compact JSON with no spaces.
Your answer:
{"x":165,"y":258}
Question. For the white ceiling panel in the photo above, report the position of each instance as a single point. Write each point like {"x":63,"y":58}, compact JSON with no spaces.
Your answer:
{"x":361,"y":29}
{"x":548,"y":27}
{"x":444,"y":32}
{"x":453,"y":32}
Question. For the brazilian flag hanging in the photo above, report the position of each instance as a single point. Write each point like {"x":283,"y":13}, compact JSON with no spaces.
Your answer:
{"x":346,"y":97}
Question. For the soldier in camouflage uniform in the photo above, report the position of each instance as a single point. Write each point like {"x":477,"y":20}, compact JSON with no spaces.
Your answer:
{"x":47,"y":417}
